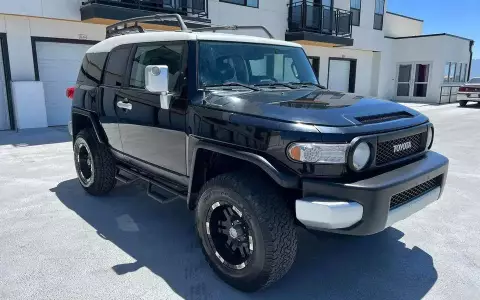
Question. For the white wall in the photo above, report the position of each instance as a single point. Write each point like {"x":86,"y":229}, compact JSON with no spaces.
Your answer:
{"x":20,"y":30}
{"x":364,"y":36}
{"x":364,"y":65}
{"x":272,"y":14}
{"x":57,"y":9}
{"x":397,"y":26}
{"x":436,"y":50}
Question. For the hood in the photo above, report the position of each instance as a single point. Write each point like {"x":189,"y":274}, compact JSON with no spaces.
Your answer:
{"x":317,"y":107}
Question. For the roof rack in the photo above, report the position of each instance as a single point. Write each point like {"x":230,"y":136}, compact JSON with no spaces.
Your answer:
{"x":125,"y":26}
{"x":233,"y":27}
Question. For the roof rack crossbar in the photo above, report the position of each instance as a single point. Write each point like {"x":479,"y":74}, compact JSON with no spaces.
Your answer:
{"x":233,"y":27}
{"x":114,"y":30}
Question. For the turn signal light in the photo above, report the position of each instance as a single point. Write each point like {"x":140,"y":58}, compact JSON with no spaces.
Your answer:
{"x":70,"y":92}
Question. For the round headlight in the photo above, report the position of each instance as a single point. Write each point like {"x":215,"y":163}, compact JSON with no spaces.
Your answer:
{"x":430,"y":137}
{"x":361,"y":156}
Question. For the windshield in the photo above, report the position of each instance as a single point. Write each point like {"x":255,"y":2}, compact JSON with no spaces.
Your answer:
{"x":474,"y":80}
{"x":252,"y":64}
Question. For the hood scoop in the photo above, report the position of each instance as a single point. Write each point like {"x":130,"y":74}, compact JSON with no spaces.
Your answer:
{"x":384,"y":117}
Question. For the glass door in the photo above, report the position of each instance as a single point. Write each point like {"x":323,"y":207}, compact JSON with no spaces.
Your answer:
{"x":412,"y":81}
{"x":404,"y":79}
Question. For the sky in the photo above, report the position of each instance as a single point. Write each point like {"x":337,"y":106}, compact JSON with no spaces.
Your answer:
{"x":458,"y":17}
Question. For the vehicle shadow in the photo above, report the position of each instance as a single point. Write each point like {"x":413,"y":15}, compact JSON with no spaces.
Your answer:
{"x":33,"y":137}
{"x":162,"y":238}
{"x":475,"y":105}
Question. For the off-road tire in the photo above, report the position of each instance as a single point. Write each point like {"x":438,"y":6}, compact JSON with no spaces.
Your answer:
{"x":462,"y":103}
{"x":104,"y":168}
{"x":271,"y":221}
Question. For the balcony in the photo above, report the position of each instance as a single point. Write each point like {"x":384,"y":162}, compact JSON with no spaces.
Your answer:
{"x":310,"y":23}
{"x":107,"y":12}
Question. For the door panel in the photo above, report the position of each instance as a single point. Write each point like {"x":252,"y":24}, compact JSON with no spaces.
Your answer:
{"x":152,"y":134}
{"x":108,"y":116}
{"x":149,"y":133}
{"x":339,"y":75}
{"x":110,"y":94}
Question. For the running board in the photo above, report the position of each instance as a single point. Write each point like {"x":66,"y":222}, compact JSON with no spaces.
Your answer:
{"x":156,"y":195}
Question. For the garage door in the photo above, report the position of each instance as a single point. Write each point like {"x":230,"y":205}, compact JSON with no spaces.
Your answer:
{"x":58,"y":66}
{"x":4,"y":122}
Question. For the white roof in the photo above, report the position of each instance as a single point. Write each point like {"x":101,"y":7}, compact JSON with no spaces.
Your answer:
{"x":110,"y":43}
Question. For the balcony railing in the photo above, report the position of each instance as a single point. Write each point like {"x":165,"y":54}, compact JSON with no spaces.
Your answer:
{"x":309,"y":16}
{"x":194,"y":8}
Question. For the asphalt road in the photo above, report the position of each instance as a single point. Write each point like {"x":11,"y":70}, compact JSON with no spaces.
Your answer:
{"x":56,"y":242}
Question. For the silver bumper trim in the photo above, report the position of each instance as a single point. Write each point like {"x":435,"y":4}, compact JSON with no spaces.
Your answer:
{"x":317,"y":213}
{"x":70,"y":131}
{"x":412,"y":207}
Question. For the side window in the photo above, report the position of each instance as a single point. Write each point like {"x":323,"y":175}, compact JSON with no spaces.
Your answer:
{"x":168,"y":54}
{"x":116,"y":65}
{"x":92,"y":68}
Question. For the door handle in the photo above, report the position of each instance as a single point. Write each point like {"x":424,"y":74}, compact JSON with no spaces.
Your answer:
{"x":124,"y":105}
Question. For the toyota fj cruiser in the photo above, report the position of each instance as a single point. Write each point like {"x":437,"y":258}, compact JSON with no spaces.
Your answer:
{"x":239,"y":128}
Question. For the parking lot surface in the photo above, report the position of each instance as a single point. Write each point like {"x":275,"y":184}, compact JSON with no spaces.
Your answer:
{"x":57,"y":242}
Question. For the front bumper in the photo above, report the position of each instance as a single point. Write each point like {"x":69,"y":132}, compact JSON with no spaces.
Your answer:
{"x":363,"y":207}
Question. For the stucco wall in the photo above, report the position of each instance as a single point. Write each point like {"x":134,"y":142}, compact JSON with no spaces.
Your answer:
{"x":272,"y":14}
{"x":435,"y":50}
{"x":364,"y":65}
{"x":57,"y":9}
{"x":397,"y":26}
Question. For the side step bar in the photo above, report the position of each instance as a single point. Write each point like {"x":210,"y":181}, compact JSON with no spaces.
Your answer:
{"x":152,"y":183}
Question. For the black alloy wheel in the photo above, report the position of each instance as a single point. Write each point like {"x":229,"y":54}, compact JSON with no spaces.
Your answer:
{"x":229,"y":234}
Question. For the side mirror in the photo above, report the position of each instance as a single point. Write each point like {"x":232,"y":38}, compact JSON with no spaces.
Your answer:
{"x":156,"y":81}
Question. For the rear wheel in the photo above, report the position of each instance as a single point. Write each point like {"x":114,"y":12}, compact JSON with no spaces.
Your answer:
{"x":246,"y":229}
{"x":94,"y":163}
{"x":463,"y":103}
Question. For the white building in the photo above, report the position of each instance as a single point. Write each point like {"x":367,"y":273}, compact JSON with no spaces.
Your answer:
{"x":354,"y":45}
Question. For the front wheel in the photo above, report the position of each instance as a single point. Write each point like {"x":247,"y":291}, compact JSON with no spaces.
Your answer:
{"x":246,"y":229}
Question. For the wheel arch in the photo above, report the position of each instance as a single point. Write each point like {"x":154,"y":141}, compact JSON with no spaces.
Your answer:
{"x":209,"y":160}
{"x":82,"y":119}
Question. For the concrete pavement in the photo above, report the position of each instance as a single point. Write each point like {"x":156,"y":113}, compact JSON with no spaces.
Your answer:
{"x":57,"y":242}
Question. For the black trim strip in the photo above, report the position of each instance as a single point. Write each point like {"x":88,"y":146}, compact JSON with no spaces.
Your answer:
{"x":35,"y":39}
{"x":403,"y":16}
{"x":8,"y":79}
{"x":427,"y":35}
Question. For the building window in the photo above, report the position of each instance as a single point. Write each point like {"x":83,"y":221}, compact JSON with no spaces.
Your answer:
{"x":379,"y":11}
{"x":446,"y":72}
{"x":355,"y":7}
{"x":455,"y":72}
{"x":249,"y":3}
{"x":463,"y":75}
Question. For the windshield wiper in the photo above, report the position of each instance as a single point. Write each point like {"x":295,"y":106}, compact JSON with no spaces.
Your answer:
{"x":274,"y":84}
{"x":308,"y":83}
{"x":231,"y":84}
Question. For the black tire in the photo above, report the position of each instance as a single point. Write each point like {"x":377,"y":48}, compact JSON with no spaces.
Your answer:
{"x":462,"y":103}
{"x":272,"y":233}
{"x":101,"y":166}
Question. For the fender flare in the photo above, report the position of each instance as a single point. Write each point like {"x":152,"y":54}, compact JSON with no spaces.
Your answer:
{"x":99,"y":134}
{"x":282,"y":178}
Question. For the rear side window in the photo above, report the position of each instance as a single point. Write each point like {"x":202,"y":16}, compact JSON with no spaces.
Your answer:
{"x":116,"y":66}
{"x":91,"y":69}
{"x":167,"y":54}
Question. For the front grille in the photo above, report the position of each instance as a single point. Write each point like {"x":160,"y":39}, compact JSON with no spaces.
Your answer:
{"x":413,"y":193}
{"x":386,"y":151}
{"x":383,"y":118}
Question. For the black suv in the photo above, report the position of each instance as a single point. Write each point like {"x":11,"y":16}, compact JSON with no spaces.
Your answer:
{"x":239,"y":128}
